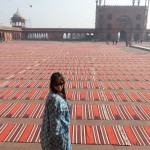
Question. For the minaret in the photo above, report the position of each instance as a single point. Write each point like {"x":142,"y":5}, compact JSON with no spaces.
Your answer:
{"x":104,"y":2}
{"x":133,"y":1}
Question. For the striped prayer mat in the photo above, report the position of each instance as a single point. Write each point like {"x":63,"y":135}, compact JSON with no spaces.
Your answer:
{"x":77,"y":85}
{"x":82,"y":95}
{"x":80,"y":134}
{"x":100,"y":76}
{"x":79,"y":111}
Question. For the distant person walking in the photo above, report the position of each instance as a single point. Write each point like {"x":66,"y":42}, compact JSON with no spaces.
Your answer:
{"x":55,"y":133}
{"x":127,"y":43}
{"x":116,"y":41}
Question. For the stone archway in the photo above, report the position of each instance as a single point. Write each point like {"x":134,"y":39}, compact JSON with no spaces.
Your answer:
{"x":123,"y":25}
{"x":123,"y":35}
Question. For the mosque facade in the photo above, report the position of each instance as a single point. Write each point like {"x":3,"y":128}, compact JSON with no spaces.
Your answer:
{"x":121,"y":22}
{"x":111,"y":23}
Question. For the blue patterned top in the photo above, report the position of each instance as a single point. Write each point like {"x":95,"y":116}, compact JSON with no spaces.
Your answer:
{"x":55,"y":126}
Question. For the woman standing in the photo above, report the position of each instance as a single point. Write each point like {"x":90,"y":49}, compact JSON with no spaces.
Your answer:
{"x":55,"y":133}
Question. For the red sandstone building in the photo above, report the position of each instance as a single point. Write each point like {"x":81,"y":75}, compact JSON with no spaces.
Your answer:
{"x":112,"y":22}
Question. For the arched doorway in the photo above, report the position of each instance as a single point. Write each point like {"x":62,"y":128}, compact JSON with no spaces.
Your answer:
{"x":123,"y":35}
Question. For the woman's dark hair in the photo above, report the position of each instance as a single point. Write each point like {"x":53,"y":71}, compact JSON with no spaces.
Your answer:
{"x":53,"y":79}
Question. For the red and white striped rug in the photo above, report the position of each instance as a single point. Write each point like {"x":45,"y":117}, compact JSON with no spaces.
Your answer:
{"x":77,"y":85}
{"x":79,"y":111}
{"x":80,"y":134}
{"x":76,"y":95}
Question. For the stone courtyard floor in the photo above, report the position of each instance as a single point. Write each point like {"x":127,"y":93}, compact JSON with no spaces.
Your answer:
{"x":108,"y":87}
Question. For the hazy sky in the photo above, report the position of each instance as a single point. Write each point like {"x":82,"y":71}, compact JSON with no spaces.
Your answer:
{"x":56,"y":13}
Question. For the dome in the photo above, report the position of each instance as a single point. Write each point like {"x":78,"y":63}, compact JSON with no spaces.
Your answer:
{"x":17,"y":15}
